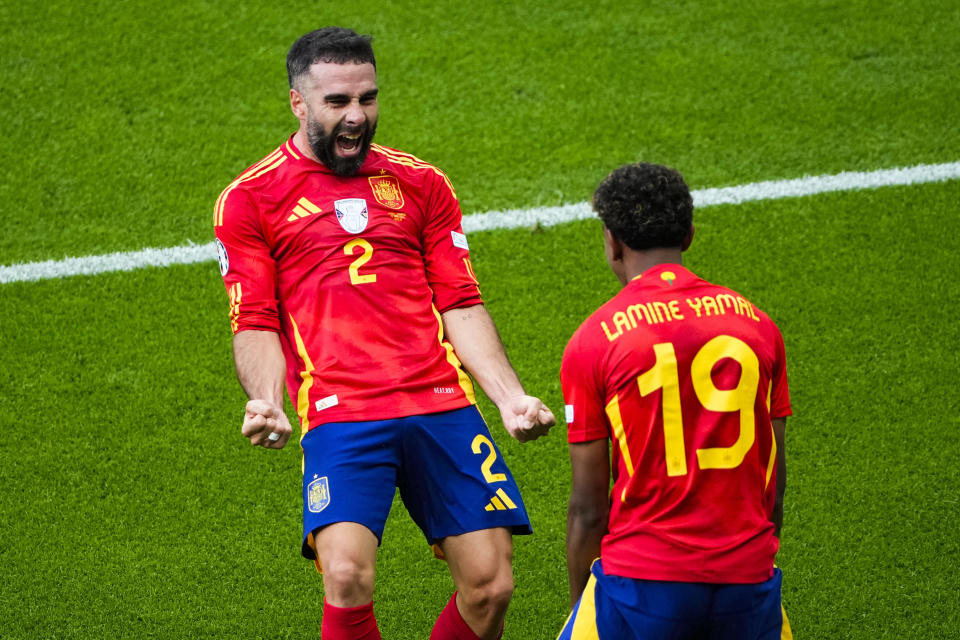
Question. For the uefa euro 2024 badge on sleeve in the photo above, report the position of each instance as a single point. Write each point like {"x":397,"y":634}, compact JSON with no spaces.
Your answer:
{"x":352,"y":214}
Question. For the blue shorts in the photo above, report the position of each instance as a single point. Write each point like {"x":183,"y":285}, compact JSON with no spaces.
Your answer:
{"x":451,"y":476}
{"x":616,"y":608}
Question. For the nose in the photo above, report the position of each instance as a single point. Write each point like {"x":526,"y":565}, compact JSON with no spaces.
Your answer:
{"x":355,"y":115}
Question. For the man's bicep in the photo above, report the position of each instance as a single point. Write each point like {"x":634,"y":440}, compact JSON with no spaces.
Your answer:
{"x":446,"y":253}
{"x":246,"y":265}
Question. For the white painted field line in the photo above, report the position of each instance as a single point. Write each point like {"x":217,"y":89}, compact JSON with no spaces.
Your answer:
{"x":511,"y":219}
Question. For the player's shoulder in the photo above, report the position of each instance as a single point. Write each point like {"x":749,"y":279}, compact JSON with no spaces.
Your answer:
{"x":401,"y":160}
{"x":590,"y":336}
{"x":268,"y":170}
{"x":742,"y":302}
{"x":407,"y":166}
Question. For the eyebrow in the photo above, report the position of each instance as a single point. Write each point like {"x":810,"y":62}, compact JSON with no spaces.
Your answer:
{"x":342,"y":97}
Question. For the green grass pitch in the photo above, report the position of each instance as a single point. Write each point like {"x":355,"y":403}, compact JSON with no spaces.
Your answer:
{"x":132,"y":508}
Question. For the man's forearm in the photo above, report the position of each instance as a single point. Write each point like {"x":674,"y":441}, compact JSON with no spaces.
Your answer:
{"x":260,"y":364}
{"x":587,"y":510}
{"x":474,"y":337}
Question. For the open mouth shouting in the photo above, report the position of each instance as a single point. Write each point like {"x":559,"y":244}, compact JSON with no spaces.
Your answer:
{"x":348,"y":144}
{"x":343,"y":150}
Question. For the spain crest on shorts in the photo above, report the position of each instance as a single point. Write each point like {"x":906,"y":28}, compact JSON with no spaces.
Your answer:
{"x":318,"y":495}
{"x":352,"y":214}
{"x":386,"y":190}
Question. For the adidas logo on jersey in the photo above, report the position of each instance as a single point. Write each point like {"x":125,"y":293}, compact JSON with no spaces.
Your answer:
{"x":303,"y":209}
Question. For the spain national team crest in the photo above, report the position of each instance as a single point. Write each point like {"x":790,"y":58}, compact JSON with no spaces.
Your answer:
{"x":386,"y":189}
{"x":318,"y":495}
{"x":352,"y":214}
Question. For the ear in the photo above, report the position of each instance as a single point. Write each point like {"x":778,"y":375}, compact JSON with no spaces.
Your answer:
{"x":688,"y":240}
{"x":298,"y":105}
{"x":613,"y":246}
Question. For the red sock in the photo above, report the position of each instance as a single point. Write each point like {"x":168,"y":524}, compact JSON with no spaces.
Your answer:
{"x":451,"y":625}
{"x":349,"y":623}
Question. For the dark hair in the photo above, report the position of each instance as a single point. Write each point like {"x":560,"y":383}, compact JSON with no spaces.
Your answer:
{"x":330,"y":44}
{"x":645,"y":206}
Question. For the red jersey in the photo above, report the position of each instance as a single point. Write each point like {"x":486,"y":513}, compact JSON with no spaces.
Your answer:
{"x":353,"y":272}
{"x":684,"y":377}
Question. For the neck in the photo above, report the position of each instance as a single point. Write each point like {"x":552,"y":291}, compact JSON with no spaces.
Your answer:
{"x":303,"y":145}
{"x":636,"y":262}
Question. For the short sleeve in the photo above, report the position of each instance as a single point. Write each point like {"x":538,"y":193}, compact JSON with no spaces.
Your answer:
{"x":779,"y":393}
{"x":583,"y":394}
{"x":247,"y":268}
{"x":445,"y":250}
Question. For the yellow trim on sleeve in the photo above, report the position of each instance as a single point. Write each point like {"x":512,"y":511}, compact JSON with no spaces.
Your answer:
{"x":465,"y":382}
{"x":773,"y":443}
{"x":266,"y":165}
{"x":303,"y":393}
{"x":407,"y":160}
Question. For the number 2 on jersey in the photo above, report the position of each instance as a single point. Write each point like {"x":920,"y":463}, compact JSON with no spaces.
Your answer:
{"x":367,"y":252}
{"x":664,"y":375}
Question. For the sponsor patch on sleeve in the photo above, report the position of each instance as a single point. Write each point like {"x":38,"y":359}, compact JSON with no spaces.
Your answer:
{"x":568,"y":413}
{"x":459,"y":240}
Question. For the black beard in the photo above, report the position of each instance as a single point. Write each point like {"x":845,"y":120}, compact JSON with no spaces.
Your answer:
{"x":323,"y":146}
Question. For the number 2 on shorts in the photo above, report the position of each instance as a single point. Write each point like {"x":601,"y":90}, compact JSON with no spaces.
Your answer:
{"x":483,"y":441}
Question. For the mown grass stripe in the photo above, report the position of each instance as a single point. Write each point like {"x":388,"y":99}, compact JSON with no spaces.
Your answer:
{"x":509,"y":219}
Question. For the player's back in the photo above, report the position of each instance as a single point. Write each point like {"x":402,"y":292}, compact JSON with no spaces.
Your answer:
{"x":682,"y":374}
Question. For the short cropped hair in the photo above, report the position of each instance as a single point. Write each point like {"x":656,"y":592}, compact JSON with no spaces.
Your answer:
{"x":645,"y":206}
{"x":330,"y":44}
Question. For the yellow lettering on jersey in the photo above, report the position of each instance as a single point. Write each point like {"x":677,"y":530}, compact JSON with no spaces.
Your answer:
{"x":747,"y":309}
{"x":634,"y":311}
{"x":674,"y":307}
{"x":726,"y":301}
{"x":621,"y":322}
{"x":610,"y":336}
{"x":658,"y":312}
{"x":664,"y":376}
{"x":706,"y":306}
{"x":663,"y":311}
{"x":710,"y":306}
{"x":740,"y":399}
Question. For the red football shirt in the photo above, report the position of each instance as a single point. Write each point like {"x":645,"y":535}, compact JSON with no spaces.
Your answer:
{"x":684,"y":377}
{"x":353,"y":273}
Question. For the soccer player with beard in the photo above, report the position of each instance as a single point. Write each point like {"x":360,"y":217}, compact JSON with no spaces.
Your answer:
{"x":350,"y":281}
{"x":677,"y":389}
